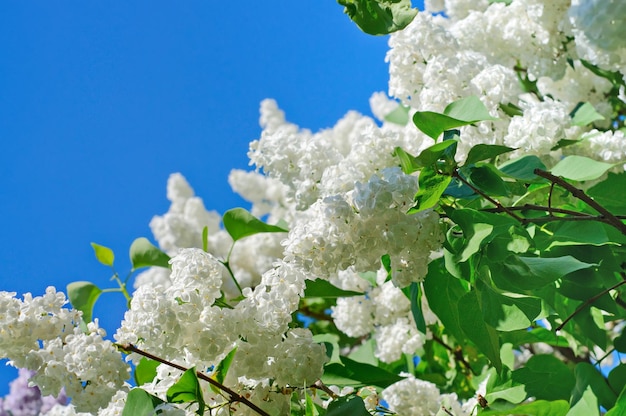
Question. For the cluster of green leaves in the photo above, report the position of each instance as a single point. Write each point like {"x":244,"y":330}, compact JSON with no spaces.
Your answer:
{"x":379,"y":17}
{"x":525,"y":250}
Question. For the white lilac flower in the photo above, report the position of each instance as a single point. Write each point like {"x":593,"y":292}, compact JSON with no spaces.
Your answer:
{"x":353,"y":316}
{"x":182,"y":225}
{"x":413,"y":397}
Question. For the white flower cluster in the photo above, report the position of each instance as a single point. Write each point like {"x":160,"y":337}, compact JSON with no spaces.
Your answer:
{"x":357,"y":228}
{"x":484,"y":50}
{"x":39,"y":334}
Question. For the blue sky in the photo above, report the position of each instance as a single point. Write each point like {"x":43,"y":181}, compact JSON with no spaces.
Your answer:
{"x":101,"y":101}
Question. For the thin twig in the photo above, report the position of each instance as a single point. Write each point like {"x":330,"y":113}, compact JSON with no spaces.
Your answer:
{"x":580,"y":194}
{"x":589,"y":302}
{"x":456,"y":174}
{"x":321,"y":386}
{"x":457,"y":355}
{"x":233,"y":397}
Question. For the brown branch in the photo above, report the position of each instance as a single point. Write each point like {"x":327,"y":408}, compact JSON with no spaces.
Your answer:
{"x":233,"y":397}
{"x":456,"y":174}
{"x":457,"y":354}
{"x":587,"y":303}
{"x":580,"y":194}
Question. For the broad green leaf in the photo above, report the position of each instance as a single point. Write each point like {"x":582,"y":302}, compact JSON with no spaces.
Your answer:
{"x":617,"y":377}
{"x":568,"y":233}
{"x":331,"y":341}
{"x":604,"y":193}
{"x":620,"y":405}
{"x":443,"y":291}
{"x":83,"y":296}
{"x":580,"y":168}
{"x":588,"y":376}
{"x":563,"y":143}
{"x":509,"y":391}
{"x":585,"y":405}
{"x":546,"y":378}
{"x":140,"y":402}
{"x":480,"y":333}
{"x":431,"y":186}
{"x":536,"y":408}
{"x":321,"y":288}
{"x":487,"y":180}
{"x":385,"y":261}
{"x":407,"y":161}
{"x":187,"y":390}
{"x":535,"y":272}
{"x":219,"y":374}
{"x":479,"y":228}
{"x":485,"y":151}
{"x":507,"y":313}
{"x":620,"y":342}
{"x":585,"y":114}
{"x":465,"y":111}
{"x":145,"y":371}
{"x":533,"y":336}
{"x":379,"y":17}
{"x":351,"y":405}
{"x":103,"y":254}
{"x":144,"y":254}
{"x":365,"y":353}
{"x":400,"y":115}
{"x":239,"y":223}
{"x":523,"y":168}
{"x":356,"y":374}
{"x":432,"y":154}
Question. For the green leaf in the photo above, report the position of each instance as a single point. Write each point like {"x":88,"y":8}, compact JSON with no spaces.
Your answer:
{"x":473,"y":325}
{"x":432,"y":154}
{"x":479,"y":228}
{"x":431,"y":186}
{"x":144,"y":254}
{"x":321,"y":288}
{"x":187,"y":390}
{"x":331,"y":341}
{"x":536,"y":272}
{"x":604,"y":193}
{"x":83,"y":296}
{"x":205,"y":239}
{"x":351,"y":405}
{"x":310,"y":409}
{"x":145,"y":371}
{"x":103,"y":254}
{"x":510,"y":109}
{"x":522,"y":168}
{"x":140,"y":402}
{"x":443,"y":291}
{"x":620,"y":405}
{"x":588,"y":376}
{"x":465,"y":111}
{"x":219,"y":374}
{"x":536,"y":408}
{"x":585,"y":114}
{"x":400,"y":115}
{"x":239,"y":223}
{"x":587,"y":405}
{"x":481,"y":152}
{"x":533,"y":336}
{"x":487,"y":180}
{"x":620,"y":342}
{"x":379,"y":17}
{"x":407,"y":161}
{"x":414,"y":293}
{"x":546,"y":378}
{"x":580,"y":168}
{"x":617,"y":377}
{"x":356,"y":374}
{"x":507,"y":313}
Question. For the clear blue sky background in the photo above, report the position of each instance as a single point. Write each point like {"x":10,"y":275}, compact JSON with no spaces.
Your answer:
{"x":101,"y":101}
